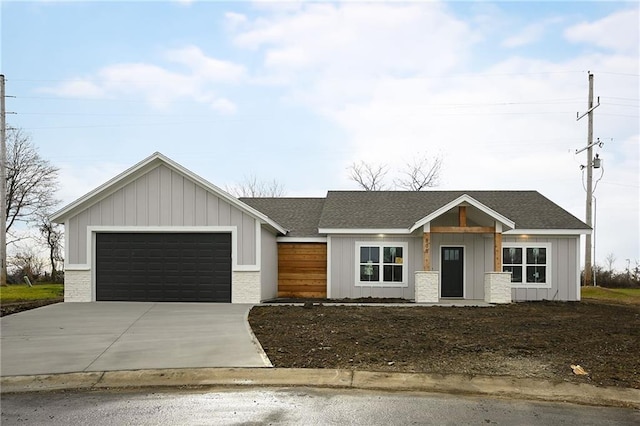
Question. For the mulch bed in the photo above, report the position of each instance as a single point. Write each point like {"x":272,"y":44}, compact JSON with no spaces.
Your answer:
{"x":534,"y":339}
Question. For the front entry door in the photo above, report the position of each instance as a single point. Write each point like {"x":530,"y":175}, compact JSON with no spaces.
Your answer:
{"x":452,"y":261}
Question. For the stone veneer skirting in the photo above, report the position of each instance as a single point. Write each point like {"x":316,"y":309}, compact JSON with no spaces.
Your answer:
{"x":77,"y":285}
{"x":497,"y":287}
{"x":427,"y":286}
{"x":245,"y":287}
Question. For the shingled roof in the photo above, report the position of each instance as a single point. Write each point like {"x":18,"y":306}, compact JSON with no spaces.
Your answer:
{"x":300,"y":216}
{"x":402,"y":209}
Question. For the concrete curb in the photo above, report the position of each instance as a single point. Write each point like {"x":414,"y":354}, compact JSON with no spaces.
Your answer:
{"x":492,"y":386}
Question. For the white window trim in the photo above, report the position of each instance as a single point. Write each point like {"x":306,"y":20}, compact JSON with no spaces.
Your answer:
{"x":381,"y":244}
{"x":549,"y":264}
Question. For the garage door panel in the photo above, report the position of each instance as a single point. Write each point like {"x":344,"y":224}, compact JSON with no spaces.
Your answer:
{"x":190,"y":267}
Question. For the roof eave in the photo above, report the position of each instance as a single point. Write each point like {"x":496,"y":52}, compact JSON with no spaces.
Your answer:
{"x":128,"y":175}
{"x":548,"y":232}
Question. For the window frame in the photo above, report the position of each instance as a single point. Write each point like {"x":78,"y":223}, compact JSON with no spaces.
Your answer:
{"x":381,"y":246}
{"x":548,"y":265}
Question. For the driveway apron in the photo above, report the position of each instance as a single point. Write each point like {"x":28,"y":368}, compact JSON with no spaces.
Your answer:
{"x":109,"y":336}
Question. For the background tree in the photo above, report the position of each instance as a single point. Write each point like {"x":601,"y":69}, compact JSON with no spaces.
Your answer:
{"x":25,"y":263}
{"x":420,"y":174}
{"x":251,"y":186}
{"x":51,"y":234}
{"x":31,"y":181}
{"x":417,"y":175}
{"x":369,"y":177}
{"x":31,"y":184}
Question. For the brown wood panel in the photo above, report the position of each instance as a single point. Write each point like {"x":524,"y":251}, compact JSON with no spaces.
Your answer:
{"x":302,"y":270}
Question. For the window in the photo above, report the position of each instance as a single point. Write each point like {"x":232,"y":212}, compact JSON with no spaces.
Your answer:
{"x":381,"y":264}
{"x":528,"y":264}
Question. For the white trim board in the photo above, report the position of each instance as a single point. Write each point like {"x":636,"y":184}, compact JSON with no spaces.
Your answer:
{"x":143,"y":167}
{"x":464,"y":198}
{"x":301,"y":239}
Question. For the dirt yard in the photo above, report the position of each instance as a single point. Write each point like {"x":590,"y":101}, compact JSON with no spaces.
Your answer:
{"x":8,"y":308}
{"x":536,"y":339}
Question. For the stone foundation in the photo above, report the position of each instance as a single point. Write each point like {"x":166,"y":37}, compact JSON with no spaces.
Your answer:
{"x":77,"y":285}
{"x":427,"y":286}
{"x":245,"y":287}
{"x":497,"y":287}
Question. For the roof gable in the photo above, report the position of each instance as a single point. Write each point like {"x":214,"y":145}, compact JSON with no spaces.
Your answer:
{"x":405,"y":210}
{"x":145,"y":166}
{"x":464,"y":199}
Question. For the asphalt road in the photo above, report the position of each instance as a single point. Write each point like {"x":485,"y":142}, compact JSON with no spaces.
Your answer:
{"x":291,"y":406}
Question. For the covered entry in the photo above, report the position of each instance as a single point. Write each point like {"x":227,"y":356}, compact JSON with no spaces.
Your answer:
{"x":163,"y":267}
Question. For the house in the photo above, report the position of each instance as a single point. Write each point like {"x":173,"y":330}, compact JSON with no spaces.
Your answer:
{"x":158,"y":232}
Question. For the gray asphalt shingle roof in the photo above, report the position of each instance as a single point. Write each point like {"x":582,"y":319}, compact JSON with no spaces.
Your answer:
{"x":300,"y":216}
{"x":401,"y":209}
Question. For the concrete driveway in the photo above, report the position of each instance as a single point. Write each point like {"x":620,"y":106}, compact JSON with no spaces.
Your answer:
{"x":108,"y":336}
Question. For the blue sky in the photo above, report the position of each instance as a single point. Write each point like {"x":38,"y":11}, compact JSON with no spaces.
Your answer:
{"x":298,"y":91}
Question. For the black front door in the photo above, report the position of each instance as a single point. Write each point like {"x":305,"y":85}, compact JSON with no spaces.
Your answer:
{"x":452,"y":271}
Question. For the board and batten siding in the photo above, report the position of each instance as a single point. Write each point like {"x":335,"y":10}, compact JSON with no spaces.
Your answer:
{"x":343,"y":264}
{"x":564,"y":269}
{"x":478,"y":259}
{"x":161,"y":197}
{"x":269,"y":265}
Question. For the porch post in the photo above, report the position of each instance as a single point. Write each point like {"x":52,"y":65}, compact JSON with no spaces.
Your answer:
{"x":426,"y":248}
{"x":462,"y":216}
{"x":497,"y":248}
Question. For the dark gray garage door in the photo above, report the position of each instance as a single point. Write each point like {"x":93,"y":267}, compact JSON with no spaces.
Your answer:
{"x":163,"y":267}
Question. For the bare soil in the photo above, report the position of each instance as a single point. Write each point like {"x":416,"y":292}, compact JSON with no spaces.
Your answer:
{"x":533,"y":339}
{"x":8,"y":308}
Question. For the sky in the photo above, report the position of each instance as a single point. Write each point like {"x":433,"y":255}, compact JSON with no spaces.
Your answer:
{"x":298,"y":91}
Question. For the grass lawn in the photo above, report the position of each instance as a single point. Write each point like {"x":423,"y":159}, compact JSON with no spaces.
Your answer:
{"x":624,"y":295}
{"x":22,"y":292}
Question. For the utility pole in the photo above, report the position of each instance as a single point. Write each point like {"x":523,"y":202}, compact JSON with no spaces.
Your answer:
{"x":588,"y":268}
{"x":3,"y":185}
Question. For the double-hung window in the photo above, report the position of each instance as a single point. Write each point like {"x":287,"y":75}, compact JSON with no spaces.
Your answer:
{"x":381,"y":264}
{"x":529,"y":264}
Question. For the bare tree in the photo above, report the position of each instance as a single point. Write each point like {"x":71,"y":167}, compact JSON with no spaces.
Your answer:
{"x":52,"y":236}
{"x":369,"y":177}
{"x":610,"y":260}
{"x":31,"y":180}
{"x":26,"y":263}
{"x":250,"y":186}
{"x":420,"y":174}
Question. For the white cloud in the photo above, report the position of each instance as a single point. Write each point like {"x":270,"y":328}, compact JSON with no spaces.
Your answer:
{"x":530,"y":33}
{"x":159,"y":85}
{"x":618,"y":32}
{"x":360,"y":40}
{"x":394,"y":78}
{"x":204,"y":67}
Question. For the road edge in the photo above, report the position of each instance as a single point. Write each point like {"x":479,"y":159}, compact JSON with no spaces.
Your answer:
{"x":489,"y":386}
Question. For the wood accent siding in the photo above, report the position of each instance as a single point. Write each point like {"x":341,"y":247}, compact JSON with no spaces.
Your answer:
{"x":302,"y":270}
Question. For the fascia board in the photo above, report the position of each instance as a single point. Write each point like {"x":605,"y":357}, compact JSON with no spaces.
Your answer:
{"x":105,"y":189}
{"x":301,"y":239}
{"x":140,"y":168}
{"x":363,"y":231}
{"x":464,"y":198}
{"x":548,"y":232}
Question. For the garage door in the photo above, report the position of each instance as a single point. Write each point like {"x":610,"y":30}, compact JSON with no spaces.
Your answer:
{"x":163,"y":267}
